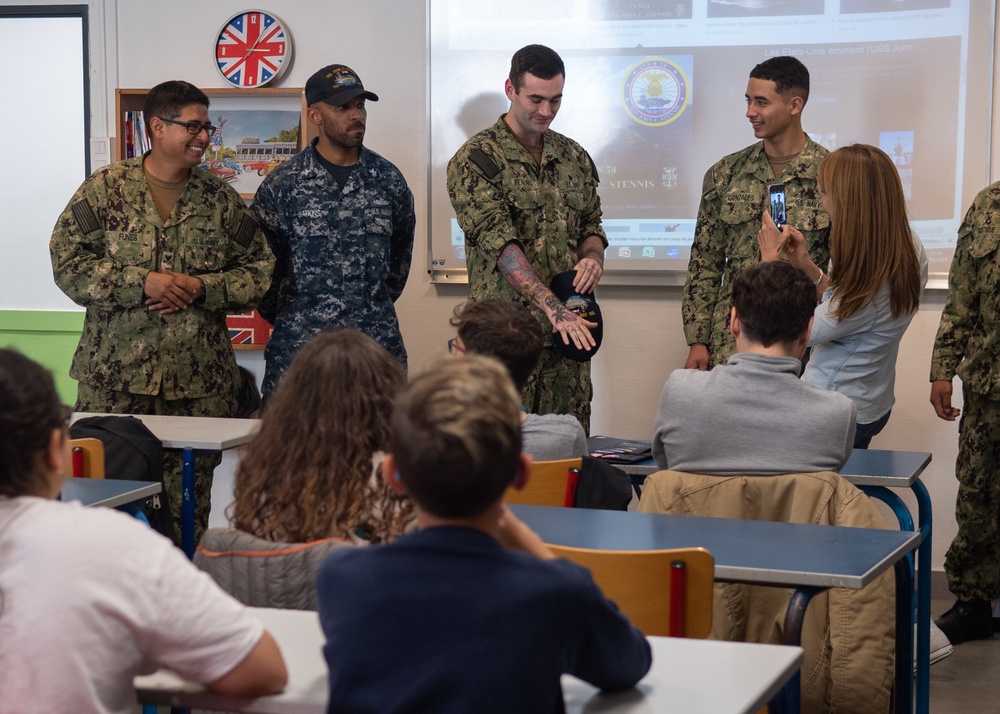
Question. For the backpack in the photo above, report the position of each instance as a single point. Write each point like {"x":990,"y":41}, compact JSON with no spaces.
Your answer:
{"x":603,"y":486}
{"x":133,"y":453}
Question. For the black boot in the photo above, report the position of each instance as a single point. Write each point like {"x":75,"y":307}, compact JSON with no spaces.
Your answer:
{"x":967,"y":620}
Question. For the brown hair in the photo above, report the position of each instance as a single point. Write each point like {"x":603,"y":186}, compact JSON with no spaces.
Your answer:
{"x":29,"y":412}
{"x":308,"y":474}
{"x":539,"y":60}
{"x":871,"y":244}
{"x":502,"y":329}
{"x":456,"y":436}
{"x":774,"y":302}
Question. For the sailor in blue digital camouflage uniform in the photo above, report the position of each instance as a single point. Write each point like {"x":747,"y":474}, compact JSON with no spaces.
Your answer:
{"x":340,"y":221}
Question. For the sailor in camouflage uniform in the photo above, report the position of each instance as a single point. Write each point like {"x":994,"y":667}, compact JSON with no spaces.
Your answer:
{"x":340,"y":221}
{"x":734,"y":198}
{"x":968,"y":344}
{"x":526,"y":198}
{"x":159,"y":251}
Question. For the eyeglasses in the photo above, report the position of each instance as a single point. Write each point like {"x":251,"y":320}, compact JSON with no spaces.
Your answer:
{"x":193,"y":127}
{"x":455,"y":348}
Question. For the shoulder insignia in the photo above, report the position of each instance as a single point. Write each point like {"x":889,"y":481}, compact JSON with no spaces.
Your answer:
{"x":84,"y":216}
{"x":246,"y":231}
{"x":487,"y":165}
{"x":593,"y":168}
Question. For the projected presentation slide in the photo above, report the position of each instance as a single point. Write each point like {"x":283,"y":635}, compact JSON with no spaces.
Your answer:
{"x":655,"y":92}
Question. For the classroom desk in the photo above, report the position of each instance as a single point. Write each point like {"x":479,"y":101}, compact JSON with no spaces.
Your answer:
{"x":864,"y":467}
{"x":691,"y":676}
{"x":874,"y":471}
{"x":190,"y":435}
{"x":810,"y":558}
{"x":109,"y":493}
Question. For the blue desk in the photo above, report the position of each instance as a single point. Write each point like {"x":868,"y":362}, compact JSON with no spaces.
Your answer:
{"x":874,"y":471}
{"x":756,"y":552}
{"x":109,"y":493}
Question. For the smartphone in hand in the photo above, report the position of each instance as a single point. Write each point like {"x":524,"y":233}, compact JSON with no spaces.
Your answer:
{"x":776,"y":199}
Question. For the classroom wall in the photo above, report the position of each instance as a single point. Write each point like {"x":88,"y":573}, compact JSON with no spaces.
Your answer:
{"x":138,"y":43}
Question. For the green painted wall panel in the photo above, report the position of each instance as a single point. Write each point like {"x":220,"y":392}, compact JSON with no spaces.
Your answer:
{"x":49,"y":338}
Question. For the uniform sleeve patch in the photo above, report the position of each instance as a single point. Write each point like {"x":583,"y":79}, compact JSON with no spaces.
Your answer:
{"x":245,"y":233}
{"x":84,"y":216}
{"x":593,"y":169}
{"x":487,"y":165}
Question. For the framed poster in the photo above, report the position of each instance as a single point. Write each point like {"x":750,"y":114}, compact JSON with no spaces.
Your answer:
{"x":256,"y":132}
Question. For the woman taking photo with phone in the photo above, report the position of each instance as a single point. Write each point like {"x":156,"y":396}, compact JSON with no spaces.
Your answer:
{"x":877,"y":272}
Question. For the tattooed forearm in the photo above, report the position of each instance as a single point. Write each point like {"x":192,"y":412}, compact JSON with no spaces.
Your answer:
{"x":517,"y":271}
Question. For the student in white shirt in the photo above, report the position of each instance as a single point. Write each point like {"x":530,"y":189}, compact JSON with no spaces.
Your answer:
{"x":90,"y":597}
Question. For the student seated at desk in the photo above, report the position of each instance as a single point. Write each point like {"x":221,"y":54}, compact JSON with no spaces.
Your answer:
{"x":90,"y":597}
{"x":754,"y":415}
{"x":749,"y":439}
{"x":470,"y":613}
{"x":509,"y":332}
{"x":310,"y":480}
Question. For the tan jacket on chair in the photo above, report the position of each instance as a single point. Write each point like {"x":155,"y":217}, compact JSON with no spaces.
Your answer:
{"x":848,"y":635}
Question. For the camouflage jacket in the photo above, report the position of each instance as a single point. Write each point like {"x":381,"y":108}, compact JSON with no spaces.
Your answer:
{"x":110,"y":237}
{"x":734,"y":196}
{"x":968,"y":337}
{"x":501,"y":195}
{"x":342,"y":257}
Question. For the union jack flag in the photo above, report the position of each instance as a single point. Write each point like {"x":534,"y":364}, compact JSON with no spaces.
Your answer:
{"x":251,"y":49}
{"x":248,"y":328}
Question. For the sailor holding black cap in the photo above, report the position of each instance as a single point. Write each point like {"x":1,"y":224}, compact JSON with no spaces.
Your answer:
{"x":526,"y":198}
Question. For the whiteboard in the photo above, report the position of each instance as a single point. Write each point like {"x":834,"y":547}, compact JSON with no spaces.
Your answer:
{"x":913,"y":77}
{"x":44,"y":122}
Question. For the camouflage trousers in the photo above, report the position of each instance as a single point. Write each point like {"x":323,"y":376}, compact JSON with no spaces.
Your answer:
{"x":102,"y":401}
{"x":972,"y":562}
{"x":560,"y":386}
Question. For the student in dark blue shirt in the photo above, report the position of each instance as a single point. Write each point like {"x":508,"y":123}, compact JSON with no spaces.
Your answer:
{"x":470,"y":613}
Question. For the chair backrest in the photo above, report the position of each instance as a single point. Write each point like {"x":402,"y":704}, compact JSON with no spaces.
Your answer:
{"x":662,"y":592}
{"x":263,"y":573}
{"x":847,"y":634}
{"x":87,"y":458}
{"x":550,"y":484}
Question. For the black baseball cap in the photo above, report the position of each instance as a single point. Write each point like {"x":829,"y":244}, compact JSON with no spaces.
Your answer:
{"x":585,"y":305}
{"x":336,"y":84}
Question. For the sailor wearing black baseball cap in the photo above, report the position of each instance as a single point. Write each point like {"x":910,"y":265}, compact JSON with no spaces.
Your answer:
{"x":336,"y":84}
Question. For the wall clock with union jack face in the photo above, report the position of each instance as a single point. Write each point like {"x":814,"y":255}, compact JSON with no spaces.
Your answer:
{"x":252,"y":49}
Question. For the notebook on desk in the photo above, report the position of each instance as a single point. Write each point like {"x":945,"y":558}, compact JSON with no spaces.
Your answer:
{"x":619,"y":451}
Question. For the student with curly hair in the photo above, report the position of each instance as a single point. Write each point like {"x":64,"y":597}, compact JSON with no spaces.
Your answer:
{"x":312,"y":470}
{"x":310,"y":481}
